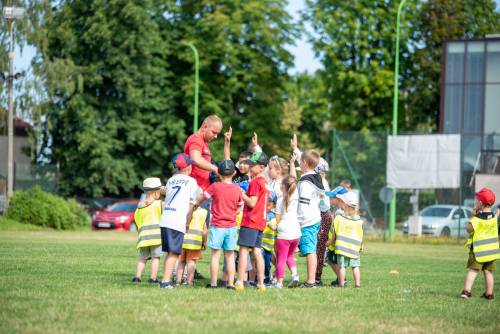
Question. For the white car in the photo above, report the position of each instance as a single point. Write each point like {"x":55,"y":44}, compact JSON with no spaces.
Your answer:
{"x":443,"y":220}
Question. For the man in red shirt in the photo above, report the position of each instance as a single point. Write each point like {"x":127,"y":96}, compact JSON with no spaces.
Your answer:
{"x":254,"y":220}
{"x":196,"y":147}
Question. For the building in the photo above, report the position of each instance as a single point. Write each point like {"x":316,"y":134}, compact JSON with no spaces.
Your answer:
{"x":470,"y":102}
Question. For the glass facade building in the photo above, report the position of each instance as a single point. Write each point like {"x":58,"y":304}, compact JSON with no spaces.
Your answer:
{"x":470,"y":99}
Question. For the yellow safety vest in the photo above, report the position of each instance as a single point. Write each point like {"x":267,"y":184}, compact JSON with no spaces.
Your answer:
{"x":147,"y":219}
{"x":193,"y":238}
{"x":484,"y":240}
{"x":330,"y":236}
{"x":349,"y":235}
{"x":269,"y":236}
{"x":239,"y":216}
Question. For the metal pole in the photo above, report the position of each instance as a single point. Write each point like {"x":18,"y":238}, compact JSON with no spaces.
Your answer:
{"x":392,"y":220}
{"x":196,"y":84}
{"x":10,"y":127}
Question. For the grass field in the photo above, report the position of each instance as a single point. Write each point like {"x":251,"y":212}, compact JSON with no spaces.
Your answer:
{"x":55,"y":282}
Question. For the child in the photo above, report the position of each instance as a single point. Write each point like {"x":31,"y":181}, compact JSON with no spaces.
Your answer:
{"x":195,"y":240}
{"x":254,"y":220}
{"x":347,"y":239}
{"x":310,"y":188}
{"x":483,"y":244}
{"x":326,"y":218}
{"x":227,"y":200}
{"x":147,"y":218}
{"x":339,"y":205}
{"x":289,"y":233}
{"x":181,"y":190}
{"x":268,"y":238}
{"x":277,"y":170}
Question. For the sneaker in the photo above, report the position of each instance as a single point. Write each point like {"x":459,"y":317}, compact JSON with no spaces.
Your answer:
{"x":230,"y":287}
{"x":293,"y":284}
{"x":166,"y":285}
{"x":277,"y":286}
{"x":487,"y":297}
{"x":308,"y":285}
{"x":357,"y":286}
{"x":336,"y":283}
{"x":210,"y":286}
{"x":261,"y":288}
{"x":239,"y":287}
{"x":197,"y":275}
{"x":319,"y":282}
{"x":136,"y":280}
{"x":221,"y":283}
{"x":465,"y":294}
{"x":153,"y":281}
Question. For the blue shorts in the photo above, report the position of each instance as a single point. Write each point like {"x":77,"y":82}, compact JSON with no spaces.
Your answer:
{"x":309,"y":239}
{"x":171,"y":240}
{"x":223,"y":238}
{"x":250,"y":237}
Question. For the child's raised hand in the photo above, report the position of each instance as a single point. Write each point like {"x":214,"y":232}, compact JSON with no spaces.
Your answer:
{"x":293,"y":158}
{"x":255,"y":139}
{"x":228,"y":135}
{"x":293,"y":142}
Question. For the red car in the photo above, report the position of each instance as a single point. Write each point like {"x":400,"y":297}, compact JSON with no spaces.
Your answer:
{"x":118,"y":216}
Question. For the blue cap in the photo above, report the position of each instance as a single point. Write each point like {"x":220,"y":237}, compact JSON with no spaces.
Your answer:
{"x":337,"y":191}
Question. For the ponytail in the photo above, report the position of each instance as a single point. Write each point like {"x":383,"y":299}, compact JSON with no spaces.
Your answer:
{"x":289,"y":185}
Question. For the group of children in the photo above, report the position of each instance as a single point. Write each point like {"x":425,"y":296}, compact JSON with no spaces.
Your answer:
{"x":257,"y":224}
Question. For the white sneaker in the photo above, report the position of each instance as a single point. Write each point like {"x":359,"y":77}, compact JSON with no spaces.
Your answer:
{"x":277,"y":286}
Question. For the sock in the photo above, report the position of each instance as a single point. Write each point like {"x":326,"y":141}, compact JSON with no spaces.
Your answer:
{"x":238,"y":282}
{"x":295,"y":277}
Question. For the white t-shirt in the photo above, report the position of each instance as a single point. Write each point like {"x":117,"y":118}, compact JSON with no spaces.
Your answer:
{"x":289,"y":227}
{"x":182,"y":191}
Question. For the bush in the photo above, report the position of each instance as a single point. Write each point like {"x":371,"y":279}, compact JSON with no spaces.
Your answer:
{"x":34,"y":206}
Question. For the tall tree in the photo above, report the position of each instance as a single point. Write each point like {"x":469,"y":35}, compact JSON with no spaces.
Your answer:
{"x":355,"y":42}
{"x":119,"y":81}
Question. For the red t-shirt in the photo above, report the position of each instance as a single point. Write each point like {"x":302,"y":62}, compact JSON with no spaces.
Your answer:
{"x":196,"y":143}
{"x":256,"y":217}
{"x":226,"y":200}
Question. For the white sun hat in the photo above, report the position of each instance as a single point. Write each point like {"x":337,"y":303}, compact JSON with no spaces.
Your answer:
{"x":151,"y":183}
{"x":349,"y":198}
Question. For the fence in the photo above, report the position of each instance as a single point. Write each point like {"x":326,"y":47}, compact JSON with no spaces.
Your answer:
{"x":361,"y":158}
{"x":26,"y":176}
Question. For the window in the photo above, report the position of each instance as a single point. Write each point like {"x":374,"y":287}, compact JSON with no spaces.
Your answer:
{"x":455,"y":62}
{"x":460,"y":214}
{"x":493,"y":62}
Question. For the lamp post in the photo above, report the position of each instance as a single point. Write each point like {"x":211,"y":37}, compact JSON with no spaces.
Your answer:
{"x":11,"y":14}
{"x":392,"y":219}
{"x":196,"y":83}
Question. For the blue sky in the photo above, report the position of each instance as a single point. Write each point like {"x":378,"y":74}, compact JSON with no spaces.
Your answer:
{"x":302,"y":50}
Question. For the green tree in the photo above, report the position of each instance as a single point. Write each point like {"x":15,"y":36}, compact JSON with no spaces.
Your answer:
{"x":355,"y":42}
{"x":119,"y":82}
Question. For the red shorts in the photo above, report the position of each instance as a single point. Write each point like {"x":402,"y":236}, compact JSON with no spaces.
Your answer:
{"x":188,"y":255}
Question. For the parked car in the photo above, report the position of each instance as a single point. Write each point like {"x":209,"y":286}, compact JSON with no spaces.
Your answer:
{"x":96,"y":204}
{"x":443,"y":220}
{"x":118,"y":216}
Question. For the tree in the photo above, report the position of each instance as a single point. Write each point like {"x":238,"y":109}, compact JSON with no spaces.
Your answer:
{"x":355,"y":42}
{"x":119,"y":82}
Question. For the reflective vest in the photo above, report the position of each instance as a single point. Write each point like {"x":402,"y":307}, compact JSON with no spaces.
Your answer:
{"x":239,"y":216}
{"x":269,"y":235}
{"x":330,"y":236}
{"x":348,"y":236}
{"x":484,"y":241}
{"x":147,"y":219}
{"x":193,"y":239}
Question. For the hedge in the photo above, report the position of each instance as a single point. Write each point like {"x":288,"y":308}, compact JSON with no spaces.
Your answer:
{"x":36,"y":207}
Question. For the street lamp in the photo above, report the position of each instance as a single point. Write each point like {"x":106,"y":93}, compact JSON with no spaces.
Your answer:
{"x":11,"y":14}
{"x":196,"y":83}
{"x":392,"y":219}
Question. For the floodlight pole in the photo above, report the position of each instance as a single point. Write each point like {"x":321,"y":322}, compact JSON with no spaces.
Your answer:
{"x":392,"y":219}
{"x":196,"y":83}
{"x":10,"y":118}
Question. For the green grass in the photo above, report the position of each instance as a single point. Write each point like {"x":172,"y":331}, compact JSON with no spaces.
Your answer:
{"x":55,"y":282}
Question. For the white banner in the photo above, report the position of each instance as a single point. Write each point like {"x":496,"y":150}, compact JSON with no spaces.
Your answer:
{"x":423,"y":161}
